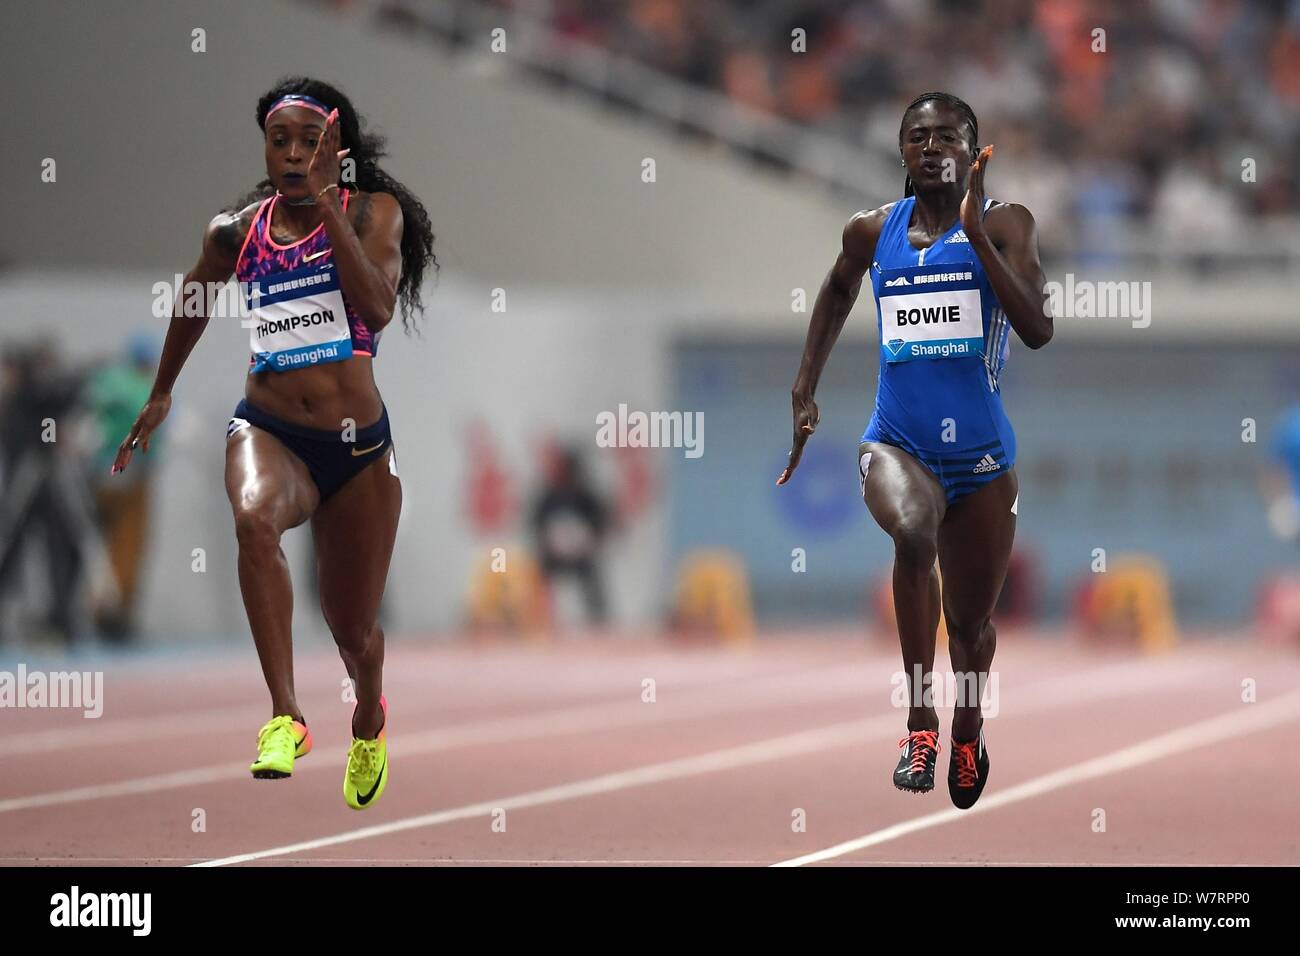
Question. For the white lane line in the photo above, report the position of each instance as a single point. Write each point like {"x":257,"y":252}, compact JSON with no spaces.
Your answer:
{"x":1248,"y":718}
{"x":129,"y":729}
{"x":790,"y":745}
{"x":775,"y":691}
{"x":145,"y":727}
{"x":1046,"y":695}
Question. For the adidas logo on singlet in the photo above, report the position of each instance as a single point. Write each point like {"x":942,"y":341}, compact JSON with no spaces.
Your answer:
{"x":958,"y":236}
{"x":986,"y":464}
{"x":901,"y":280}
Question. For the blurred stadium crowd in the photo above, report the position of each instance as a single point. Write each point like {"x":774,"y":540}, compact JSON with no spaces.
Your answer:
{"x":1152,"y":128}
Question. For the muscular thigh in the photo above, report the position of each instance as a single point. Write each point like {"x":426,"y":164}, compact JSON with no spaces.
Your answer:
{"x":899,"y":491}
{"x":266,"y":478}
{"x":975,"y":541}
{"x":354,"y":531}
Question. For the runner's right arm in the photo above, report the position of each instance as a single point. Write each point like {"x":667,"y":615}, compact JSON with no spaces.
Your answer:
{"x":221,"y":244}
{"x":834,"y":302}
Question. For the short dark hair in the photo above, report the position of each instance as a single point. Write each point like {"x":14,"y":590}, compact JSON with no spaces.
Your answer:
{"x":947,"y":99}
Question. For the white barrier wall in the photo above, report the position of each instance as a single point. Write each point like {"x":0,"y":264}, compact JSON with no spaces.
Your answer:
{"x":527,"y":372}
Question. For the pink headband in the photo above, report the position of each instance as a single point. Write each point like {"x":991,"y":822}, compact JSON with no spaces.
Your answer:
{"x":297,"y":99}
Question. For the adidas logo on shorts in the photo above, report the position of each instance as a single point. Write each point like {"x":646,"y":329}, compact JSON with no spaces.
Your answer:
{"x":986,"y":464}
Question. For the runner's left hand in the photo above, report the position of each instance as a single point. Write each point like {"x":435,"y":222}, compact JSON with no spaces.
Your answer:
{"x":972,"y":205}
{"x":326,"y":162}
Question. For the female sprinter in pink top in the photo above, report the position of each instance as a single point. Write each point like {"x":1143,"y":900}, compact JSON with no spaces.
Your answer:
{"x":323,"y":259}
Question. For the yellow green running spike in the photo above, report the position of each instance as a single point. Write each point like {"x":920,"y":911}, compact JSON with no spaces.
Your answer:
{"x":280,"y":742}
{"x":367,"y":774}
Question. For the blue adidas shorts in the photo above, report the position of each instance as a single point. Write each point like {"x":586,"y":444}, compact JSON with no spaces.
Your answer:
{"x":960,"y":471}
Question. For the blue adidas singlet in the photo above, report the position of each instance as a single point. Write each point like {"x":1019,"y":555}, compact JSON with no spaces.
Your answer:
{"x":943,"y":343}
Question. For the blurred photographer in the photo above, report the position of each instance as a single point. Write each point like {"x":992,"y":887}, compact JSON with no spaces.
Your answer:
{"x":43,"y":496}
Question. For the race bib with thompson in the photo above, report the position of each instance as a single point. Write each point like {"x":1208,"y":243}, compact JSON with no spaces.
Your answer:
{"x":298,"y":319}
{"x":930,"y":312}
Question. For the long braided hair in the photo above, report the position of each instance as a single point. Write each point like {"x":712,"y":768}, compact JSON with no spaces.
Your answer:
{"x":367,"y":148}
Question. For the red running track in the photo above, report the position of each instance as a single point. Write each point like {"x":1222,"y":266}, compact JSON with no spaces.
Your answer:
{"x":554,"y":755}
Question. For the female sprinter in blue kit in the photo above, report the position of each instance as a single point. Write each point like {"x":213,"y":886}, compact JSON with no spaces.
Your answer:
{"x":324,"y":259}
{"x":953,"y":273}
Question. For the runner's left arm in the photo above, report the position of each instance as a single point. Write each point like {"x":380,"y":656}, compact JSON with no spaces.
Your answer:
{"x":368,"y":250}
{"x":1006,"y":241}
